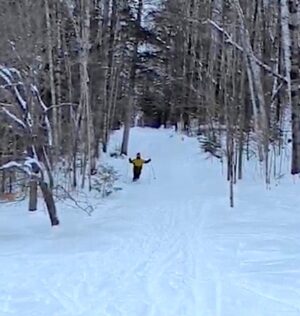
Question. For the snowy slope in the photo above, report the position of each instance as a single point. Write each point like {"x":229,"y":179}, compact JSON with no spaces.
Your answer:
{"x":168,"y":246}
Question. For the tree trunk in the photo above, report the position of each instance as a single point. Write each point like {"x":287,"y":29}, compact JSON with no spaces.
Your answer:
{"x":286,"y":43}
{"x":51,"y":74}
{"x":85,"y":93}
{"x":129,"y":107}
{"x":32,"y":196}
{"x":49,"y":200}
{"x":295,"y":76}
{"x":58,"y":75}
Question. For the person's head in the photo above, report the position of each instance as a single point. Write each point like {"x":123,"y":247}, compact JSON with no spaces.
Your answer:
{"x":138,"y":155}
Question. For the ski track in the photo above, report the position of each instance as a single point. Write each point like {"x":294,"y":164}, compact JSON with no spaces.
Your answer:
{"x":157,"y":250}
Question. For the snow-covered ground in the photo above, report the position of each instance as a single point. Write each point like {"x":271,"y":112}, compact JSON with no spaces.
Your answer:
{"x":169,"y":246}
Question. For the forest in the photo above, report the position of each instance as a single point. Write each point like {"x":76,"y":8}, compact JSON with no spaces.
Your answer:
{"x":74,"y":71}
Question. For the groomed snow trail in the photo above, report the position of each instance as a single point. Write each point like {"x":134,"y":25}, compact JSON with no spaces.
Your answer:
{"x":168,"y":246}
{"x":167,"y":215}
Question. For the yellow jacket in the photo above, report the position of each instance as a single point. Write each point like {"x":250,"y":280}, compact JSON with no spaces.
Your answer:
{"x":138,"y":162}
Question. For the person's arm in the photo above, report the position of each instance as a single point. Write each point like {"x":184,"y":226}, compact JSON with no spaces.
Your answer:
{"x":130,"y":160}
{"x":147,"y":161}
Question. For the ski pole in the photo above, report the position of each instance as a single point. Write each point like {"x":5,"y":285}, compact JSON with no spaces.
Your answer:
{"x":127,"y":173}
{"x":153,"y":172}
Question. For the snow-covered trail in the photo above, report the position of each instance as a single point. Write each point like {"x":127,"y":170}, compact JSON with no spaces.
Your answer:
{"x":168,"y":246}
{"x":140,"y":256}
{"x":173,"y":213}
{"x":168,"y":215}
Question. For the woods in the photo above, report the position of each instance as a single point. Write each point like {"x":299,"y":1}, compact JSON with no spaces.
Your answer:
{"x":83,"y":68}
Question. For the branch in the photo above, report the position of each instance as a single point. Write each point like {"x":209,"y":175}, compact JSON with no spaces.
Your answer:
{"x":6,"y":75}
{"x":275,"y":94}
{"x":60,"y":105}
{"x":36,"y":93}
{"x":13,"y":118}
{"x":6,"y":104}
{"x":15,"y":165}
{"x":228,"y":36}
{"x":28,"y":167}
{"x":231,"y":42}
{"x":88,"y":209}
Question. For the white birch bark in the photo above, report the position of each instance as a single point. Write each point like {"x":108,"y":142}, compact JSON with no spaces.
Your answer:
{"x":51,"y":73}
{"x":286,"y":44}
{"x":85,"y":96}
{"x":255,"y":84}
{"x":132,"y":78}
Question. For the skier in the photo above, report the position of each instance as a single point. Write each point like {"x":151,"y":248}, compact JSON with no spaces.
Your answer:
{"x":138,"y":163}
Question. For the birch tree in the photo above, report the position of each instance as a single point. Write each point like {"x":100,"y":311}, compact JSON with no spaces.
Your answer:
{"x":131,"y":89}
{"x":294,"y":8}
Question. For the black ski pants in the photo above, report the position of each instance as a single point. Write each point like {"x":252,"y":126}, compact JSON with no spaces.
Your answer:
{"x":136,"y":173}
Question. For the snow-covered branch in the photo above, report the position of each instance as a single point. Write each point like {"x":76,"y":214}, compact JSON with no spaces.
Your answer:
{"x":60,"y":105}
{"x":14,"y":84}
{"x":12,"y":118}
{"x":32,"y":168}
{"x":19,"y":115}
{"x":29,"y":166}
{"x":230,"y":41}
{"x":7,"y":75}
{"x":36,"y":93}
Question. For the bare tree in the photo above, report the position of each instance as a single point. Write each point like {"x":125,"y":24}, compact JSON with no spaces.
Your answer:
{"x":36,"y":132}
{"x":132,"y":79}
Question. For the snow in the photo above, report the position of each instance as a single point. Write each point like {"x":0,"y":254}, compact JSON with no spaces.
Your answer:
{"x":26,"y":167}
{"x":11,"y":164}
{"x":29,"y":162}
{"x":169,"y":246}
